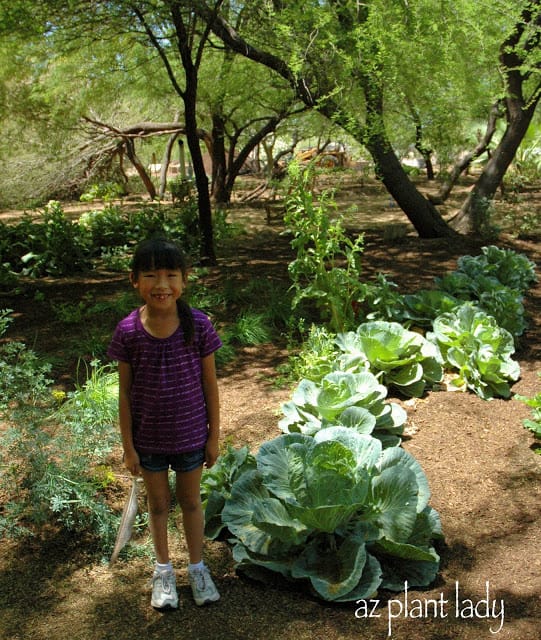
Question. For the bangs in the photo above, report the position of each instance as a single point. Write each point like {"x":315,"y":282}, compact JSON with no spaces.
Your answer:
{"x":158,"y":254}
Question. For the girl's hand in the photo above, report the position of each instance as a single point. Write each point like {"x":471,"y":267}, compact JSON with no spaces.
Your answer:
{"x":132,"y":463}
{"x":211,"y":452}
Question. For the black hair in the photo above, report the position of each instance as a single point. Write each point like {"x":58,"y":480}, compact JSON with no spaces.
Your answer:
{"x":161,"y":253}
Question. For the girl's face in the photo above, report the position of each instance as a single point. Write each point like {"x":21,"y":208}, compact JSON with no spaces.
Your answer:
{"x":160,"y":288}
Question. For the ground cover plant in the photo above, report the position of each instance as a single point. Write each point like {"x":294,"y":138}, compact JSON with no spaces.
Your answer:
{"x":54,"y":448}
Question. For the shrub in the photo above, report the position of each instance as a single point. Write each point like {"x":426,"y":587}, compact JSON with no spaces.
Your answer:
{"x":327,"y":268}
{"x":53,"y":458}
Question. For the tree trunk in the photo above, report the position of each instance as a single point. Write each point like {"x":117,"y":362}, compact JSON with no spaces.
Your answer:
{"x":207,"y":253}
{"x":422,"y":214}
{"x":165,"y":163}
{"x":475,"y":212}
{"x":420,"y":145}
{"x":468,"y":158}
{"x":219,"y":163}
{"x":517,"y":69}
{"x":139,"y":167}
{"x":189,"y":97}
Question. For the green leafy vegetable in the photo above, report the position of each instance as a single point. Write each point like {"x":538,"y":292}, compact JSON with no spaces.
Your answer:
{"x":422,"y":307}
{"x":534,"y":422}
{"x":512,"y":269}
{"x":496,"y":280}
{"x":337,"y":510}
{"x":216,"y":484}
{"x":472,"y":343}
{"x":398,"y":357}
{"x":354,"y":400}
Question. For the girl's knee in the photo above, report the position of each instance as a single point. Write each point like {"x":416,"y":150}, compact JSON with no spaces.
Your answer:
{"x":189,"y":504}
{"x":159,"y":507}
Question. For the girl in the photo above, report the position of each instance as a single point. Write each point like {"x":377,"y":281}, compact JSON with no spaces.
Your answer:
{"x":169,"y":408}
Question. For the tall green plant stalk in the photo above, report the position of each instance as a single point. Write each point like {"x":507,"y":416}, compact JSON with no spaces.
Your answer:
{"x":327,"y":268}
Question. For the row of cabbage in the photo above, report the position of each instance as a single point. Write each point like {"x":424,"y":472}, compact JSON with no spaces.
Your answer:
{"x":335,"y":501}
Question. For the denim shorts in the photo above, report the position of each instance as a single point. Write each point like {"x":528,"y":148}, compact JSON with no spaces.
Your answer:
{"x":178,"y":462}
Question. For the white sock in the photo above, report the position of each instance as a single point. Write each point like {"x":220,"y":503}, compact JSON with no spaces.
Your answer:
{"x":198,"y":566}
{"x":164,"y":568}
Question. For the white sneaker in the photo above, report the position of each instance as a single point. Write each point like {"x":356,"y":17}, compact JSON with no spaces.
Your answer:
{"x":203,"y":588}
{"x":164,"y":591}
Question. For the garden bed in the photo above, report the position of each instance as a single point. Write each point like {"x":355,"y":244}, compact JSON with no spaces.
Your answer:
{"x":482,"y":470}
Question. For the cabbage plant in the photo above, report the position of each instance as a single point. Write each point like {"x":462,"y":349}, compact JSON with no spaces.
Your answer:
{"x":353,"y":400}
{"x":336,"y":510}
{"x":472,"y":343}
{"x":216,"y":484}
{"x":398,"y":357}
{"x":511,"y":269}
{"x":497,"y":280}
{"x":422,"y":307}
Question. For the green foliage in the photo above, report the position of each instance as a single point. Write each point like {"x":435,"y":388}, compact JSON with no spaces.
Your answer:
{"x":477,"y":308}
{"x":496,"y":280}
{"x":327,"y":268}
{"x":316,"y":356}
{"x":105,"y":191}
{"x":5,"y":320}
{"x":472,"y":343}
{"x":421,"y":308}
{"x":399,"y":358}
{"x":52,"y":244}
{"x":48,"y":245}
{"x":107,"y":227}
{"x":23,"y":378}
{"x":527,"y":163}
{"x":114,"y":226}
{"x":216,"y":484}
{"x":508,"y":267}
{"x":52,"y":458}
{"x":180,"y":188}
{"x":383,"y":301}
{"x":354,"y":400}
{"x":250,"y":329}
{"x":337,"y":510}
{"x":534,"y":422}
{"x":55,"y":245}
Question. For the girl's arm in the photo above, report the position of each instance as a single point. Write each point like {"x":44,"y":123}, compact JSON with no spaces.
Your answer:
{"x":131,"y":457}
{"x":212,"y":400}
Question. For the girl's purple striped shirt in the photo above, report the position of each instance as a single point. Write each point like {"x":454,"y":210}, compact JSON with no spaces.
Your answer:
{"x":169,"y":414}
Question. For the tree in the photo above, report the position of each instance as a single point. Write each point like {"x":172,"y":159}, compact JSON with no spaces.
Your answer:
{"x":521,"y":70}
{"x":241,"y":118}
{"x":465,"y":161}
{"x":190,"y":45}
{"x":345,"y":41}
{"x":350,"y":38}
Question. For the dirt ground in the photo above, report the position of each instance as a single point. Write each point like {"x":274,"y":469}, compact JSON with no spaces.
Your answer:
{"x":484,"y":476}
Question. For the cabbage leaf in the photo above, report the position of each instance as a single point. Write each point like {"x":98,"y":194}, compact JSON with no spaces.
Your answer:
{"x":337,"y":510}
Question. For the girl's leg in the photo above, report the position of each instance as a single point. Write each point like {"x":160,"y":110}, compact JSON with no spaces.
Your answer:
{"x":188,"y":490}
{"x":159,"y":503}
